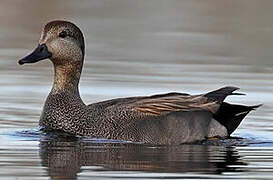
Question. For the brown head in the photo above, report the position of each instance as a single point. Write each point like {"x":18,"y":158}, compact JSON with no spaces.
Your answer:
{"x":61,"y":41}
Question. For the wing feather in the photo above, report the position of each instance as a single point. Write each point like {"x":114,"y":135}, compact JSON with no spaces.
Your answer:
{"x":161,"y":105}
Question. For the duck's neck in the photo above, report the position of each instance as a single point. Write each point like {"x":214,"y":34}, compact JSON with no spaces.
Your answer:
{"x":64,"y":99}
{"x":66,"y":79}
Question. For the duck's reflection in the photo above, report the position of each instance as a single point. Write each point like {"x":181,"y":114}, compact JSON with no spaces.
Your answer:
{"x":65,"y":159}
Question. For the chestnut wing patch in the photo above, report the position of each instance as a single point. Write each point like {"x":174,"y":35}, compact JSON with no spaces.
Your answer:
{"x":178,"y":102}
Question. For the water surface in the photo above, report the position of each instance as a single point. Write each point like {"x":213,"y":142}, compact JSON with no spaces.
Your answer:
{"x":139,"y":48}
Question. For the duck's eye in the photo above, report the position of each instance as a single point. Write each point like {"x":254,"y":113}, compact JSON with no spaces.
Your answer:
{"x":63,"y":34}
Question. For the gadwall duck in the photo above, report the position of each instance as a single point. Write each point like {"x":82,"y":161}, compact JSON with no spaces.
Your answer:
{"x":171,"y":118}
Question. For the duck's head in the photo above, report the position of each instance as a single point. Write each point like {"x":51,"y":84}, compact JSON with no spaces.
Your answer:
{"x":61,"y":41}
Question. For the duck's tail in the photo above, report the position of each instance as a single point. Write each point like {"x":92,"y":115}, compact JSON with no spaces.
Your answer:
{"x":231,"y":115}
{"x":219,"y":95}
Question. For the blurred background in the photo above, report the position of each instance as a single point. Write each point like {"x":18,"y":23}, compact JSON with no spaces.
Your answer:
{"x":142,"y":47}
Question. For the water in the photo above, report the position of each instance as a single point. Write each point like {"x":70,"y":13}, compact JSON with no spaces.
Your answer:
{"x":139,"y":48}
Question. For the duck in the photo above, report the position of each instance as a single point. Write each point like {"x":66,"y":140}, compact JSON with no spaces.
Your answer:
{"x":162,"y":119}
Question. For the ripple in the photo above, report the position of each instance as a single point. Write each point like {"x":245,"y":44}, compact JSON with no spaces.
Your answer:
{"x":38,"y":134}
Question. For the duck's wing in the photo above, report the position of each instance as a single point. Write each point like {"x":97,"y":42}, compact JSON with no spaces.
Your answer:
{"x":132,"y":100}
{"x":173,"y":102}
{"x":161,"y":104}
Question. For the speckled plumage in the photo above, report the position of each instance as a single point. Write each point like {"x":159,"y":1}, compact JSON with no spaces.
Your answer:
{"x":172,"y":118}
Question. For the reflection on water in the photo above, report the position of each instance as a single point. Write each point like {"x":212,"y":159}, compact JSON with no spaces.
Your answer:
{"x":59,"y":157}
{"x":139,"y":48}
{"x":66,"y":160}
